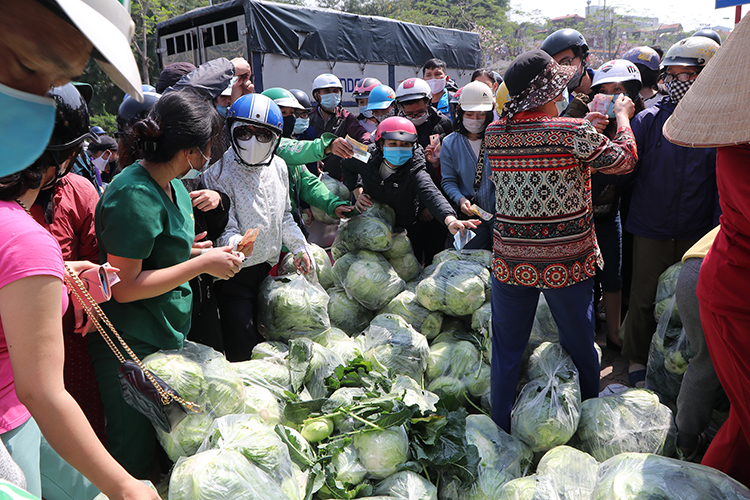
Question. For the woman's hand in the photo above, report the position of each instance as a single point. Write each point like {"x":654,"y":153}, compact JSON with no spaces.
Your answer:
{"x":455,"y":225}
{"x":221,"y":262}
{"x":79,"y":266}
{"x":465,"y":206}
{"x":425,"y":215}
{"x":302,"y":262}
{"x":363,"y":202}
{"x":205,"y":199}
{"x":432,"y":154}
{"x":342,"y":210}
{"x":598,"y":120}
{"x":624,"y":108}
{"x":340,"y":147}
{"x":200,"y":246}
{"x":136,"y":490}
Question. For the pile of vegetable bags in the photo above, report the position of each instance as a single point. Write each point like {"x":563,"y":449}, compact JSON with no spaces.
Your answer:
{"x":374,"y":385}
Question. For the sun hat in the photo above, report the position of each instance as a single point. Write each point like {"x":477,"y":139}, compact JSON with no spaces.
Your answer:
{"x":533,"y":79}
{"x":715,"y":110}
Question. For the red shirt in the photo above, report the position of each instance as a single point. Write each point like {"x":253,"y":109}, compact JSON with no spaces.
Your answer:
{"x":72,"y":225}
{"x":724,"y":283}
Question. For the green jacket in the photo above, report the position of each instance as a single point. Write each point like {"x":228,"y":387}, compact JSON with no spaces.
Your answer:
{"x":303,"y":185}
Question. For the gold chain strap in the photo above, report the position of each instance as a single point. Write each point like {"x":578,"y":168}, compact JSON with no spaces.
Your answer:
{"x":75,"y":284}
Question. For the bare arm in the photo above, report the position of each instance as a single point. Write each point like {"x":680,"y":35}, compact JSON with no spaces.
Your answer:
{"x":137,"y":284}
{"x":31,"y":313}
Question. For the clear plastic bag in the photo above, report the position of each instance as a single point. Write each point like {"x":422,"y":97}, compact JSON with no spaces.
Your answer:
{"x":455,"y":287}
{"x":346,"y":313}
{"x":219,"y":475}
{"x":382,"y":212}
{"x":348,"y":468}
{"x":275,"y":352}
{"x":395,"y":347}
{"x":382,"y":452}
{"x":226,"y":393}
{"x":368,"y":278}
{"x":187,"y":436}
{"x":401,"y":246}
{"x":407,"y":485}
{"x":406,"y":305}
{"x":361,"y":232}
{"x":547,"y":411}
{"x":503,"y":457}
{"x":264,"y":373}
{"x":264,"y":404}
{"x":483,"y":257}
{"x":291,"y":307}
{"x":309,"y":365}
{"x":668,"y":282}
{"x":411,"y":393}
{"x":457,"y":368}
{"x":631,"y":421}
{"x":668,"y":357}
{"x":257,"y":442}
{"x":337,"y":188}
{"x":343,"y":345}
{"x":635,"y":476}
{"x":521,"y":488}
{"x":323,"y":268}
{"x":407,"y":267}
{"x":565,"y":473}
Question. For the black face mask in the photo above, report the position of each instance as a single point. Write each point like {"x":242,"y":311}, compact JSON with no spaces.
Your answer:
{"x":288,"y":128}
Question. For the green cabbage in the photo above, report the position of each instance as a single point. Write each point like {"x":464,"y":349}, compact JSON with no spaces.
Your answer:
{"x":406,"y":305}
{"x":276,"y":352}
{"x":483,"y":257}
{"x":393,"y":344}
{"x":347,"y":314}
{"x":639,"y":476}
{"x":343,"y":345}
{"x":566,"y":474}
{"x":521,"y":488}
{"x":668,"y":282}
{"x":181,"y":373}
{"x":401,"y":246}
{"x":291,"y":307}
{"x":220,"y":475}
{"x":407,"y":485}
{"x":362,"y":233}
{"x":263,"y":403}
{"x":260,"y":372}
{"x":455,"y":287}
{"x":225,"y":389}
{"x":382,"y":452}
{"x":187,"y":436}
{"x":369,"y":278}
{"x":407,"y":266}
{"x":338,"y":189}
{"x":631,"y":421}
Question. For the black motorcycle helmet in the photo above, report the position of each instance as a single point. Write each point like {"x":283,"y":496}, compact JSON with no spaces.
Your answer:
{"x":130,"y":111}
{"x":302,"y":97}
{"x":566,"y":38}
{"x":708,"y":33}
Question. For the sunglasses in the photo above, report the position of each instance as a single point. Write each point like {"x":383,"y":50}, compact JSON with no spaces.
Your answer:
{"x":247,"y":132}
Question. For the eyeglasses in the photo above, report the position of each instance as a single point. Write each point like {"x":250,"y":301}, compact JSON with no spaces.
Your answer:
{"x":683,"y":77}
{"x":246,"y":132}
{"x":302,"y":114}
{"x":416,"y":115}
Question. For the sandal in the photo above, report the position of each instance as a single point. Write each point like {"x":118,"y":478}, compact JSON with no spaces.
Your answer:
{"x":614,"y":347}
{"x":700,"y":449}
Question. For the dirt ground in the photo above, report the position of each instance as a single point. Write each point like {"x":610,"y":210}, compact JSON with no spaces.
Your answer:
{"x":614,"y":367}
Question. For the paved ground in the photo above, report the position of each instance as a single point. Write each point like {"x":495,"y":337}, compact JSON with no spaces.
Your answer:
{"x":614,"y":366}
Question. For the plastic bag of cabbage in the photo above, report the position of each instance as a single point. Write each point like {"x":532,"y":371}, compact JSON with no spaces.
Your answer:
{"x":337,"y":188}
{"x":291,"y":306}
{"x":362,"y":232}
{"x":401,"y":257}
{"x":221,"y":474}
{"x":457,"y":368}
{"x":502,"y":458}
{"x":631,"y":421}
{"x":346,"y":313}
{"x":102,"y":496}
{"x":455,"y":287}
{"x":381,"y":453}
{"x":668,"y":357}
{"x":636,"y":476}
{"x":394,"y":347}
{"x":323,"y":267}
{"x":407,"y":485}
{"x":407,"y":305}
{"x":547,"y":411}
{"x":260,"y":444}
{"x":368,"y":278}
{"x":483,"y":257}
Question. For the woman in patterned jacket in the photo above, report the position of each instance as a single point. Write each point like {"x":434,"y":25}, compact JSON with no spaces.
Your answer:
{"x":543,"y":237}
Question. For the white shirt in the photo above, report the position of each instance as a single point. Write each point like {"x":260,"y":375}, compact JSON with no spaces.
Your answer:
{"x":260,"y":198}
{"x":476,"y":145}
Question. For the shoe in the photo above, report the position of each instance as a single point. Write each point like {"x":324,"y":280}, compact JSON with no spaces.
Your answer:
{"x":700,"y":449}
{"x":637,"y":377}
{"x":613,"y":347}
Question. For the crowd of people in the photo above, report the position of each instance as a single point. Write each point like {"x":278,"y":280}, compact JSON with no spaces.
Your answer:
{"x":207,"y":185}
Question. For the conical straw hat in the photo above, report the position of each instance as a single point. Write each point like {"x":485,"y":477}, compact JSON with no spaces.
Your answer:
{"x":716,"y":110}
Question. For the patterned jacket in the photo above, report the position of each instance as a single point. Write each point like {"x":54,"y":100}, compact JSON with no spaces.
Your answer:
{"x":544,"y":235}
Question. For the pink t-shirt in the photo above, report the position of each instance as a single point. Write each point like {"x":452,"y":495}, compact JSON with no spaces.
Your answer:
{"x":26,"y":249}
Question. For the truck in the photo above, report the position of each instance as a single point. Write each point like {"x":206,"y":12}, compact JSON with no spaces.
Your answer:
{"x":289,"y":45}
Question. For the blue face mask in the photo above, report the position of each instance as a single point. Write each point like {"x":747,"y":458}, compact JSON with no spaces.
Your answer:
{"x":193,"y":173}
{"x":330,"y":101}
{"x":26,"y":124}
{"x":222,"y":111}
{"x":300,"y":125}
{"x":397,"y":156}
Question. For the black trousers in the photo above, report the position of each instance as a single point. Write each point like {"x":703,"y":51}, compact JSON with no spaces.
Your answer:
{"x":238,"y":311}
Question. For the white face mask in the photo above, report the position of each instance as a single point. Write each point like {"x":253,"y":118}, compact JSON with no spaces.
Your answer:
{"x":473,"y":126}
{"x":436,"y":85}
{"x":367,"y":113}
{"x":254,"y":152}
{"x":562,"y":104}
{"x":193,"y":173}
{"x":419,"y":121}
{"x":102,"y":162}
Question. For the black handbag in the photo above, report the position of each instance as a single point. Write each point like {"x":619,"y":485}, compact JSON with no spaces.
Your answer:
{"x":141,"y":389}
